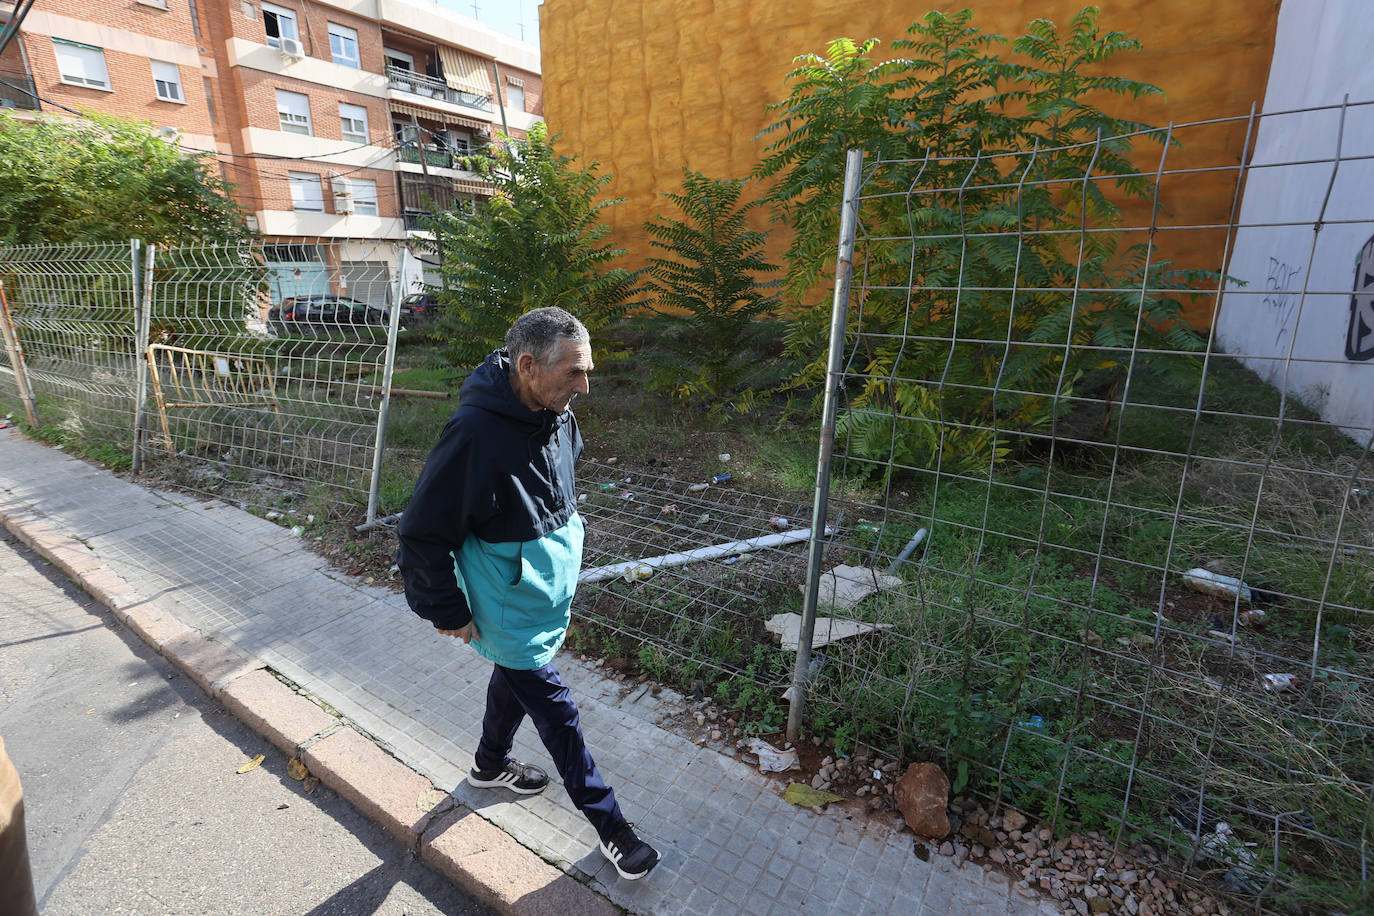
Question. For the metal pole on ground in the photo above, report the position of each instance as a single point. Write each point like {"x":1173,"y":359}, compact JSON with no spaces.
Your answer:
{"x":844,"y":268}
{"x":393,"y":330}
{"x":16,"y":353}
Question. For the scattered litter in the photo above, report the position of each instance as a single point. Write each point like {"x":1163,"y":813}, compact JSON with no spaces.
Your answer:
{"x":311,"y":784}
{"x":626,"y":495}
{"x":283,"y":806}
{"x":778,"y":523}
{"x":697,"y":487}
{"x":672,"y":509}
{"x":296,"y":769}
{"x":739,"y":558}
{"x":1252,"y":617}
{"x":772,"y":760}
{"x":639,"y":573}
{"x":866,"y":528}
{"x":607,"y":487}
{"x":803,"y":796}
{"x":1033,"y":722}
{"x":845,"y":586}
{"x":297,"y":530}
{"x":720,"y":478}
{"x":787,"y":627}
{"x":1275,"y":683}
{"x":310,"y":519}
{"x":582,"y":497}
{"x":6,"y":423}
{"x":612,"y":460}
{"x":273,"y":516}
{"x":703,"y":518}
{"x":724,"y":456}
{"x":1210,"y":583}
{"x":252,"y":764}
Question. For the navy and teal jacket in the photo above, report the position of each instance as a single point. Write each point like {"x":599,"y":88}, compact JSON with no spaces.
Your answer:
{"x":492,"y":533}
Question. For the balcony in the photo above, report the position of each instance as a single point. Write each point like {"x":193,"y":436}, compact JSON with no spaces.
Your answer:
{"x":16,"y":91}
{"x":428,"y":87}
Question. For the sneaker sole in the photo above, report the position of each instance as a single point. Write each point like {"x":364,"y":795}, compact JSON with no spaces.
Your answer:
{"x":628,"y":876}
{"x":501,"y":784}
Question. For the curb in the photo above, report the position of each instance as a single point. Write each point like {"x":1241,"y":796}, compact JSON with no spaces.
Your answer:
{"x":479,"y":857}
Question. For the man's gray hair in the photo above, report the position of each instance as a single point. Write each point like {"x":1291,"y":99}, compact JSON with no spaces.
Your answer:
{"x":540,"y":331}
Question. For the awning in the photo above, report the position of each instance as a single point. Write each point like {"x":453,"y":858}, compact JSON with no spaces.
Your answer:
{"x":451,"y":120}
{"x":465,"y":72}
{"x":515,"y":81}
{"x":473,"y":187}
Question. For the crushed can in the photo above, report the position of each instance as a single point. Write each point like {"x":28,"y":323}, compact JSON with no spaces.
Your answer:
{"x":1251,"y":617}
{"x":778,"y":523}
{"x":1274,"y":683}
{"x":720,"y":478}
{"x":697,"y":487}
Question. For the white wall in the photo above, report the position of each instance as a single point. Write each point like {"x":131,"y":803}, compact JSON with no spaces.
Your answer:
{"x":1291,"y":321}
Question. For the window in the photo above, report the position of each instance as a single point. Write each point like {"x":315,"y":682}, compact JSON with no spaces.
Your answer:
{"x":167,"y":81}
{"x":81,"y":65}
{"x":293,"y":112}
{"x":399,"y":59}
{"x":515,"y":97}
{"x":306,"y":192}
{"x":280,"y":23}
{"x":353,"y":122}
{"x":209,"y":98}
{"x":364,"y":193}
{"x":195,"y":16}
{"x":343,"y":46}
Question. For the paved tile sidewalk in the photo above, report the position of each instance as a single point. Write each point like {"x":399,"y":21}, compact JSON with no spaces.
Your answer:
{"x":730,"y":843}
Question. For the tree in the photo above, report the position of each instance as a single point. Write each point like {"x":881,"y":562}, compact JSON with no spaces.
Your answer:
{"x":973,"y":323}
{"x":105,"y":179}
{"x":537,"y":243}
{"x":708,"y":289}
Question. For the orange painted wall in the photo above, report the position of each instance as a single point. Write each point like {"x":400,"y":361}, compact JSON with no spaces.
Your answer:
{"x":647,"y":88}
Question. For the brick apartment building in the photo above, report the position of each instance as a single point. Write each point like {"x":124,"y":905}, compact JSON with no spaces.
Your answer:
{"x":334,"y":120}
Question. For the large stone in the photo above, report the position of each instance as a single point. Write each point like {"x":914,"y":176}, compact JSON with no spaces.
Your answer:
{"x":1013,"y":820}
{"x":922,"y":795}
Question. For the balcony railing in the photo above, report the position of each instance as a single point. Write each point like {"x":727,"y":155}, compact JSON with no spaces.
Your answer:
{"x":16,"y":91}
{"x":429,"y":87}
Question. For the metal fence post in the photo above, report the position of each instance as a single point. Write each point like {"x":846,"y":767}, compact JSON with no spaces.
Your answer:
{"x":143,"y":318}
{"x":844,"y":268}
{"x":16,"y":354}
{"x":393,"y":330}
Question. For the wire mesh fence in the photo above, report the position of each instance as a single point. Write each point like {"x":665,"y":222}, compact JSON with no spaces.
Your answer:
{"x":251,"y":370}
{"x":1142,"y":604}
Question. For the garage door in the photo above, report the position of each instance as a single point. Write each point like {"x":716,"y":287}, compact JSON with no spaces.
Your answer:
{"x":366,"y":281}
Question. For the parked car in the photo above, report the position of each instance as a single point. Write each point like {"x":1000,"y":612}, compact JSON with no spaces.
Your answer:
{"x":419,"y":308}
{"x":316,"y":312}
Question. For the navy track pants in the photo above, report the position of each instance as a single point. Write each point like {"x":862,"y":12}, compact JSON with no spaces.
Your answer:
{"x":541,"y":694}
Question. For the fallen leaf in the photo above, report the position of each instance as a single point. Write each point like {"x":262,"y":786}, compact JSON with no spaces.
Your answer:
{"x":252,"y":764}
{"x":803,"y":796}
{"x":283,"y":806}
{"x":311,"y":784}
{"x":91,"y":710}
{"x":296,"y":769}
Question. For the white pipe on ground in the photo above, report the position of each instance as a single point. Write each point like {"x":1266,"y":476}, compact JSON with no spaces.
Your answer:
{"x":635,"y":570}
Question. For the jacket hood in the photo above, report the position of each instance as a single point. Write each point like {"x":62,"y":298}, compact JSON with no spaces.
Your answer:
{"x":489,"y":388}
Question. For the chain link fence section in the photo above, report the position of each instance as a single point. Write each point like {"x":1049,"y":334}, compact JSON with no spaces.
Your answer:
{"x":72,"y":309}
{"x":266,"y":364}
{"x":1143,"y":602}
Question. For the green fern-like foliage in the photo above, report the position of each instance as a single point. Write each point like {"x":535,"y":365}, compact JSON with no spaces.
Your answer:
{"x":539,"y":242}
{"x":708,"y":289}
{"x":997,"y":286}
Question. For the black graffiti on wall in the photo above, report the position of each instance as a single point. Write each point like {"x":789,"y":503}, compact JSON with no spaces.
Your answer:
{"x":1279,"y":294}
{"x":1359,"y":339}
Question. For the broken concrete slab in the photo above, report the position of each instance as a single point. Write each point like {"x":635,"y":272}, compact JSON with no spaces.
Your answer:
{"x":787,"y":627}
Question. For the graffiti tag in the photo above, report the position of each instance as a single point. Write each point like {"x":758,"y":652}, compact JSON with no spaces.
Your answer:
{"x":1279,"y":296}
{"x":1359,"y":339}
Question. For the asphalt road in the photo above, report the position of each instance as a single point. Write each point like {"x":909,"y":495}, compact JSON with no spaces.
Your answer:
{"x":131,"y":792}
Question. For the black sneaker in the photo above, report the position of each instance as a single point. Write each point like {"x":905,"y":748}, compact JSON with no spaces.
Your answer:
{"x":520,"y":778}
{"x":630,"y":855}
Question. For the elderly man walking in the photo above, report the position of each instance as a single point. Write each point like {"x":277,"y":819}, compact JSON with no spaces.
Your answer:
{"x":490,"y":549}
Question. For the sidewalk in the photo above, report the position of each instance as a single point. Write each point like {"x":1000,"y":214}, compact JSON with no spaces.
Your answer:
{"x":225,"y":595}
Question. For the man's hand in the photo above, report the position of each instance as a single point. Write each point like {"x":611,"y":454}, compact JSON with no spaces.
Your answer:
{"x":466,"y":633}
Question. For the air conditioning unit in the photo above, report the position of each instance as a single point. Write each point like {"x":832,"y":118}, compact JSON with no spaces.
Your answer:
{"x":340,"y":185}
{"x":343,"y":204}
{"x":291,"y":48}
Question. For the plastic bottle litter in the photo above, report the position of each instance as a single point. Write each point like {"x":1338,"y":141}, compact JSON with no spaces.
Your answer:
{"x":1210,"y":583}
{"x":607,"y":487}
{"x":697,"y":487}
{"x":297,"y":530}
{"x":626,"y":495}
{"x":866,"y":528}
{"x":724,"y":456}
{"x":582,"y":497}
{"x":778,"y":523}
{"x":670,"y":510}
{"x":720,"y":478}
{"x":1275,"y":683}
{"x":1032,"y":722}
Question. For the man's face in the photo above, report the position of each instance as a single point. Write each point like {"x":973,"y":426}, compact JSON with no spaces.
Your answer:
{"x":553,"y":386}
